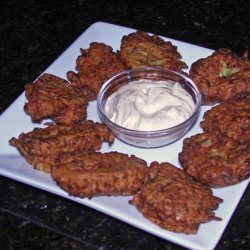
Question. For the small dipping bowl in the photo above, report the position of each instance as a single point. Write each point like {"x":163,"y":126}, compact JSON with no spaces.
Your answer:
{"x":148,"y":139}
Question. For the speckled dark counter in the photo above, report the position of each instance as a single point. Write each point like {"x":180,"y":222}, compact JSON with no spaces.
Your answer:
{"x":33,"y":35}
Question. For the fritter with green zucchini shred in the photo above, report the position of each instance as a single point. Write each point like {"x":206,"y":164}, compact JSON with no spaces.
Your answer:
{"x":139,"y":49}
{"x":53,"y":97}
{"x":42,"y":147}
{"x":98,"y":174}
{"x":216,"y":161}
{"x":221,"y":76}
{"x":230,"y":118}
{"x":95,"y":66}
{"x":172,"y":200}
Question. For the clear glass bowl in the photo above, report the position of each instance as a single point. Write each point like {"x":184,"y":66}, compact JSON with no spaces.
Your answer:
{"x":148,"y":139}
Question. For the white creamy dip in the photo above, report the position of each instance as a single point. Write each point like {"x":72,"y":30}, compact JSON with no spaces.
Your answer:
{"x":149,"y":105}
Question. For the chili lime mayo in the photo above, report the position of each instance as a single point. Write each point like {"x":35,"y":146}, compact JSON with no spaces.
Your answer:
{"x":148,"y":105}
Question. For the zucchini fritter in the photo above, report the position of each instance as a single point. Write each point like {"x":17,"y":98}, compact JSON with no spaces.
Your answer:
{"x":216,"y":161}
{"x":172,"y":200}
{"x":97,"y":174}
{"x":95,"y":66}
{"x":53,"y":97}
{"x":43,"y":146}
{"x":139,"y":49}
{"x":222,"y":76}
{"x":231,"y":118}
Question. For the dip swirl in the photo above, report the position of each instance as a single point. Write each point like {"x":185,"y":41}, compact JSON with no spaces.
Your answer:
{"x":149,"y":105}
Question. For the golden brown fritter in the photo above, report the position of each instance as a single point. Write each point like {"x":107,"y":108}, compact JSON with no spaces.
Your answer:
{"x":139,"y":49}
{"x":95,"y":66}
{"x":231,"y":118}
{"x":222,"y":76}
{"x":215,"y":161}
{"x":172,"y":200}
{"x":98,"y":174}
{"x":53,"y":97}
{"x":43,"y":146}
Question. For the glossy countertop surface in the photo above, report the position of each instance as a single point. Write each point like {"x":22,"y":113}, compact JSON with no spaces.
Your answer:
{"x":33,"y":35}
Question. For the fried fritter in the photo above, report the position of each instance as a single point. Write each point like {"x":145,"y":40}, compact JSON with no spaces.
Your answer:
{"x":172,"y":200}
{"x":43,"y":146}
{"x":231,"y":118}
{"x":98,"y":174}
{"x":221,"y":76}
{"x":53,"y":97}
{"x":216,"y":161}
{"x":139,"y":49}
{"x":95,"y":65}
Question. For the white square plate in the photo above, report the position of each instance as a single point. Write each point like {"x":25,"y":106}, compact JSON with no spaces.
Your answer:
{"x":14,"y":121}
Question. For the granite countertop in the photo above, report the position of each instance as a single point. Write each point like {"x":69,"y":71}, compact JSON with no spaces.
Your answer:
{"x":33,"y":35}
